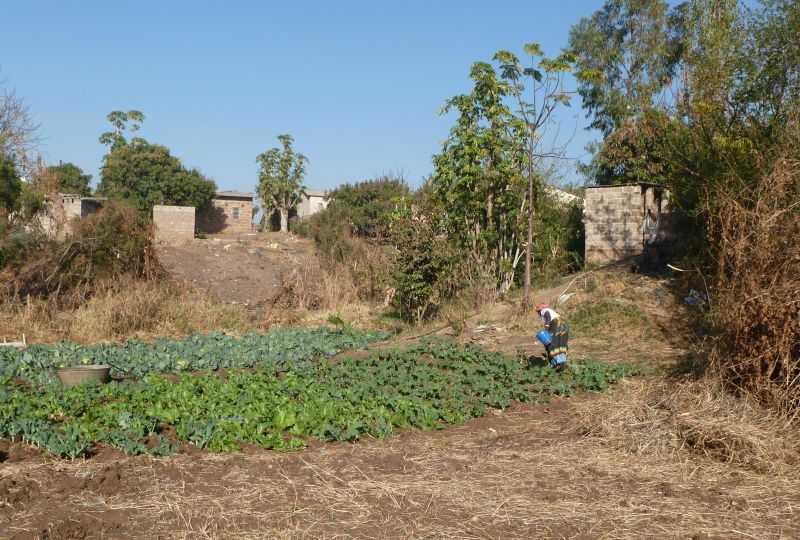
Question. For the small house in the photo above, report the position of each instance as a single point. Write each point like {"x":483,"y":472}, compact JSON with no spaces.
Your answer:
{"x":311,"y":202}
{"x":61,"y":210}
{"x":230,"y":212}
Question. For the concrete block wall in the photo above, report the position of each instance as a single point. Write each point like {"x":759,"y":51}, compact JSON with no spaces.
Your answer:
{"x":613,"y":217}
{"x":173,"y":224}
{"x":61,"y":211}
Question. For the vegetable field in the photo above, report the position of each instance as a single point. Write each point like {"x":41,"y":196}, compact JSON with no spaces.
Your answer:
{"x":272,"y":390}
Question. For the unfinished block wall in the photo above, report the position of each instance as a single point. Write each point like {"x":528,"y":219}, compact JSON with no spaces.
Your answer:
{"x":173,"y":224}
{"x":613,"y":217}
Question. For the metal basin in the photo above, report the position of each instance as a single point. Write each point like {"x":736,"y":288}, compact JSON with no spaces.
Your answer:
{"x":70,"y":376}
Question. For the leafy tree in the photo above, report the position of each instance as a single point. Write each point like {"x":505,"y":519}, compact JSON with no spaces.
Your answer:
{"x":71,"y":179}
{"x":147,"y":174}
{"x":10,"y":185}
{"x":631,"y":153}
{"x":366,"y":206}
{"x":120,"y":120}
{"x":627,"y":54}
{"x":280,"y":177}
{"x":19,"y":203}
{"x":423,"y":264}
{"x":487,"y":173}
{"x":478,"y":178}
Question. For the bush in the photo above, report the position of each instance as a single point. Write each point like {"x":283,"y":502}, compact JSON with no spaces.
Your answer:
{"x":756,"y":304}
{"x":104,"y":246}
{"x":423,"y":267}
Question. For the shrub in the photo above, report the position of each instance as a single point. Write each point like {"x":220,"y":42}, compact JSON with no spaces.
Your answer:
{"x":756,"y":304}
{"x":106,"y":245}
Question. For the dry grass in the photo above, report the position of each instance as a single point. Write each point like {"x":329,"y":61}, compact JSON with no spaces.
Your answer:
{"x":133,"y":308}
{"x":665,"y":418}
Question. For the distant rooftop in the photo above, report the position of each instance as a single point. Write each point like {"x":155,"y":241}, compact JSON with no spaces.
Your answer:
{"x":235,"y":194}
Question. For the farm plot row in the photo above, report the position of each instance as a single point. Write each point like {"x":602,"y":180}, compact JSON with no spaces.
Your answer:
{"x":195,"y":353}
{"x":280,"y":404}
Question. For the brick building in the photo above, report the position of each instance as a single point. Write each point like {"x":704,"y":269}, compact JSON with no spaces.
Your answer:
{"x":231,"y":212}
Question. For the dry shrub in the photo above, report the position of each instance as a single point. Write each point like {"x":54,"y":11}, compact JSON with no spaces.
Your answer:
{"x":308,"y":294}
{"x":360,"y":278}
{"x":666,"y":418}
{"x":102,"y":247}
{"x":34,"y":319}
{"x":757,"y":300}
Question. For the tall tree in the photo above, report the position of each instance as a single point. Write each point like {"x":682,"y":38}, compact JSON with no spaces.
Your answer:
{"x":121,"y":120}
{"x":17,"y":129}
{"x":71,"y":179}
{"x":147,"y":174}
{"x":280,"y":177}
{"x":478,"y":178}
{"x":489,"y":171}
{"x":538,"y":91}
{"x":627,"y":53}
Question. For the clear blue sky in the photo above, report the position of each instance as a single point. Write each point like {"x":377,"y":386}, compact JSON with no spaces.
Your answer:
{"x":358,"y":84}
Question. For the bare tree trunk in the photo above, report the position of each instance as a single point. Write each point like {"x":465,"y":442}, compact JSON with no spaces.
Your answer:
{"x":529,"y":239}
{"x":284,"y":220}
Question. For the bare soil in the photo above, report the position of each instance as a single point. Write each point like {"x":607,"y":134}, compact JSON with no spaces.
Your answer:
{"x":530,"y":471}
{"x":244,"y":269}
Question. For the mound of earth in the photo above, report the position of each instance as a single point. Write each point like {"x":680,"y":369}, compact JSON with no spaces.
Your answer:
{"x":243,"y":270}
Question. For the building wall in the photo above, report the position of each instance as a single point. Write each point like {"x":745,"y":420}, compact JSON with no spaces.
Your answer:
{"x":313,"y":202}
{"x":173,"y":224}
{"x":613,"y":222}
{"x":61,"y":211}
{"x":227,"y":216}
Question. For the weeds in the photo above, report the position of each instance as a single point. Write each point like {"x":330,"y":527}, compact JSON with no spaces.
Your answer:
{"x":608,"y":319}
{"x":665,"y":417}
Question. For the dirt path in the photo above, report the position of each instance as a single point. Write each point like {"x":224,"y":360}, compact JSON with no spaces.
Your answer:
{"x":527,"y":472}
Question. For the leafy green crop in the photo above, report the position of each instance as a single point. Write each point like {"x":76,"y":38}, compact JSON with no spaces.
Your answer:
{"x":280,"y":403}
{"x":197,"y":352}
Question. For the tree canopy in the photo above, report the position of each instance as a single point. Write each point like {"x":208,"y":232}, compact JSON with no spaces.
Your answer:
{"x":280,"y":179}
{"x":366,"y":206}
{"x":71,"y":179}
{"x":146,"y":174}
{"x":627,"y":53}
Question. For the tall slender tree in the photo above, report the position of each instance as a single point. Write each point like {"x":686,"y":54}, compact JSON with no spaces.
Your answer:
{"x":489,"y":172}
